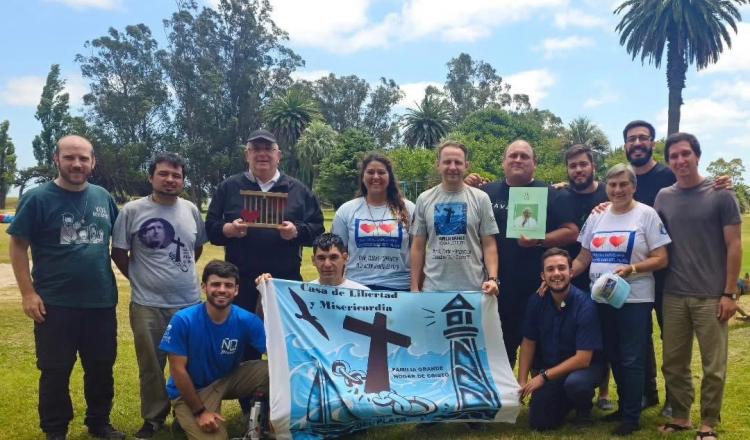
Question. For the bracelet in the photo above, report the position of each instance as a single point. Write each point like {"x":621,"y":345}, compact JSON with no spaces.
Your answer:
{"x":632,"y":269}
{"x":200,"y":411}
{"x":494,"y":279}
{"x":543,"y":373}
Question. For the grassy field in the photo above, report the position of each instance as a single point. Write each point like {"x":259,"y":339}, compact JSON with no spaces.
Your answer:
{"x":19,"y":383}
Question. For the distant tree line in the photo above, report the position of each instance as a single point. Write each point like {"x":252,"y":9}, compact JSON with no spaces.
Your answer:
{"x":225,"y":72}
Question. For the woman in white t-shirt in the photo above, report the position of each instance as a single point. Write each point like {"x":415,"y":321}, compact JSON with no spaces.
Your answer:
{"x":628,"y":239}
{"x":375,"y":228}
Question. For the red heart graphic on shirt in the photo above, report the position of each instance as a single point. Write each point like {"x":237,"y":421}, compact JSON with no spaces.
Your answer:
{"x":617,"y":240}
{"x":367,"y":227}
{"x":387,"y":227}
{"x":598,"y":241}
{"x":249,"y":216}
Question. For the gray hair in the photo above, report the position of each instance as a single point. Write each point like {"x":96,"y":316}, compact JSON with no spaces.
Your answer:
{"x":620,"y":169}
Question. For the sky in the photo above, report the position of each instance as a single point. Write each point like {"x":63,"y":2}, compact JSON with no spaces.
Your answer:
{"x":565,"y":54}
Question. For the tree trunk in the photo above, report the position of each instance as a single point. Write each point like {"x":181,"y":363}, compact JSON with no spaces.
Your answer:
{"x":676,"y":69}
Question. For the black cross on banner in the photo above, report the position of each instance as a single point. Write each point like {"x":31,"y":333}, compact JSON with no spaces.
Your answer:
{"x":378,"y":378}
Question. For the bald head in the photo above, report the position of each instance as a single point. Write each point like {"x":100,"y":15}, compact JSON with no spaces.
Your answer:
{"x":73,"y":140}
{"x":519,"y":163}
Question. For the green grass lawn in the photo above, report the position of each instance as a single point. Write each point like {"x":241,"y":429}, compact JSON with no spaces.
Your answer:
{"x":18,"y":386}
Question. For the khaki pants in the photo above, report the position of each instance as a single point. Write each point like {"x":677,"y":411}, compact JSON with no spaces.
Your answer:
{"x":149,"y":324}
{"x":685,"y":316}
{"x":250,"y":377}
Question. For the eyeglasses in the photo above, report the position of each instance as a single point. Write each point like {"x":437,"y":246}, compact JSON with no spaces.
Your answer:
{"x":261,"y":148}
{"x":642,"y":138}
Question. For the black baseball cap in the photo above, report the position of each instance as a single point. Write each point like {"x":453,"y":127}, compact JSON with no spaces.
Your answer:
{"x":262,"y":134}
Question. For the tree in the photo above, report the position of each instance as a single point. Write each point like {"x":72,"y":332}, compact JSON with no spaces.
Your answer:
{"x":339,"y":170}
{"x":348,"y":102}
{"x":733,"y":168}
{"x":288,"y":117}
{"x":224,"y":65}
{"x":426,"y":125}
{"x":52,"y":113}
{"x":128,"y":105}
{"x":475,"y":85}
{"x":7,"y":162}
{"x":693,"y":31}
{"x":314,"y":144}
{"x":582,"y":131}
{"x":415,"y":170}
{"x":378,"y":118}
{"x":341,"y":100}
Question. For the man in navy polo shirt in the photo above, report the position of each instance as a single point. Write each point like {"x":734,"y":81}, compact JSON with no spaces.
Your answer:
{"x":561,"y":344}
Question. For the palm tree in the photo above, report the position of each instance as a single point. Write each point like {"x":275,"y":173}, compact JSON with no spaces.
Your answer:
{"x":317,"y":140}
{"x":694,"y":31}
{"x":428,"y":123}
{"x":582,"y":131}
{"x":288,"y":117}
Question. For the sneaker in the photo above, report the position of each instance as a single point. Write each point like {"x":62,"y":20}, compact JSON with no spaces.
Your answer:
{"x":147,"y":431}
{"x":625,"y":429}
{"x":605,"y":404}
{"x":107,"y":432}
{"x":57,"y":435}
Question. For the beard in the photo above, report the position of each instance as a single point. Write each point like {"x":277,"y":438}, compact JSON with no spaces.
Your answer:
{"x":581,"y":186}
{"x":641,"y":160}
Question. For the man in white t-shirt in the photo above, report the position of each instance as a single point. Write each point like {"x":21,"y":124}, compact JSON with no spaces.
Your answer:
{"x":329,"y":258}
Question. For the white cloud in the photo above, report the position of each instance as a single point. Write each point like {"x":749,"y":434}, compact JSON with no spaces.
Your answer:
{"x":554,"y":46}
{"x":535,"y":83}
{"x":25,"y":91}
{"x":578,"y":18}
{"x":414,"y":92}
{"x":734,"y":90}
{"x":83,"y":4}
{"x":343,"y":25}
{"x":309,"y":75}
{"x":736,"y":59}
{"x":22,"y":91}
{"x":604,"y":95}
{"x":707,"y":117}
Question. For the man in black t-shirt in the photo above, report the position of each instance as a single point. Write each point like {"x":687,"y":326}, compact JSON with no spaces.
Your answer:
{"x":520,"y":259}
{"x":584,"y":193}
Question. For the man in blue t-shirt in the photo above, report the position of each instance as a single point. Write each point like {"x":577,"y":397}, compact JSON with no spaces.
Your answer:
{"x":205,"y":344}
{"x":561,"y":345}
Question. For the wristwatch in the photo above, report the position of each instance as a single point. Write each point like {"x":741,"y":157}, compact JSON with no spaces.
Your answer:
{"x":494,"y":279}
{"x":732,"y":296}
{"x":543,"y":373}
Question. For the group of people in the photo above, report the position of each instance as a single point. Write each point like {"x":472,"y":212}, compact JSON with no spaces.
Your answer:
{"x":670,"y":233}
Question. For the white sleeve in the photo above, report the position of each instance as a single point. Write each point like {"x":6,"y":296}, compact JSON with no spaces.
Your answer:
{"x":654,"y":231}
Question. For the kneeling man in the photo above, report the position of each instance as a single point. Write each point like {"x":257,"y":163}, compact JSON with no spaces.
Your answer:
{"x":561,"y":345}
{"x":205,"y":344}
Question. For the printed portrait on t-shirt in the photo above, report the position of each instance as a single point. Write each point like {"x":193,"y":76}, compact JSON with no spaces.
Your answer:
{"x":612,"y":247}
{"x":450,"y":218}
{"x":370,"y":233}
{"x":78,"y":231}
{"x":156,"y":233}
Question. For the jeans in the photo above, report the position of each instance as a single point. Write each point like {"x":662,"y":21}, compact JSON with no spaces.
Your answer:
{"x":149,"y":324}
{"x":65,"y":333}
{"x":624,"y":333}
{"x":551,"y":403}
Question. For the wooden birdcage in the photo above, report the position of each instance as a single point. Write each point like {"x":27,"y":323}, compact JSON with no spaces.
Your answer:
{"x":263,"y":209}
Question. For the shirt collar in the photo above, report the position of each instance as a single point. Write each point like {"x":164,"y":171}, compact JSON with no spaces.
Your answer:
{"x":274,"y":179}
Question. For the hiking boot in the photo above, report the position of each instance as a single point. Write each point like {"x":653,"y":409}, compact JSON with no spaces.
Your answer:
{"x":605,"y":404}
{"x":107,"y":432}
{"x":147,"y":431}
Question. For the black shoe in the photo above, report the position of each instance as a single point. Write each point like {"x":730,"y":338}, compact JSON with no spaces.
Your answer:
{"x":613,"y":417}
{"x":57,"y":436}
{"x":583,"y":418}
{"x":624,"y":429}
{"x":147,"y":431}
{"x":107,"y":432}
